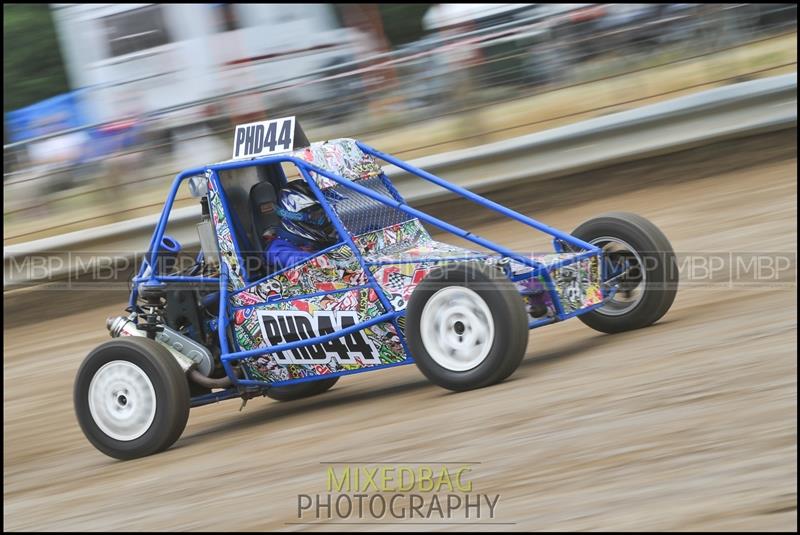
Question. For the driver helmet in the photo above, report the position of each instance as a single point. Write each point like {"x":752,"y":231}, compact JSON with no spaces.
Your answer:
{"x":303,"y":220}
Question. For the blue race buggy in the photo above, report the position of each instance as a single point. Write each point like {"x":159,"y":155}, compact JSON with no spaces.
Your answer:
{"x":385,"y":295}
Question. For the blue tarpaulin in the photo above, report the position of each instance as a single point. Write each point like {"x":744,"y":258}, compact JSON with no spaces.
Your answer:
{"x":55,"y":114}
{"x":67,"y":112}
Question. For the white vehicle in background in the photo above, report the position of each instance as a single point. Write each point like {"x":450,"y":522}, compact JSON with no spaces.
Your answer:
{"x":169,"y":62}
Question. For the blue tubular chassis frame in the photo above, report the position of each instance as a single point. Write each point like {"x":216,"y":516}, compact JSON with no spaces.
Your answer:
{"x":147,"y":273}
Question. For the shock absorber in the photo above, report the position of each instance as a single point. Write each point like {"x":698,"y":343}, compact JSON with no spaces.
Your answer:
{"x":154,"y":301}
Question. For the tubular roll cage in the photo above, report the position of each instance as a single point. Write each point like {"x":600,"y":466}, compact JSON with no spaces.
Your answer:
{"x":148,"y":276}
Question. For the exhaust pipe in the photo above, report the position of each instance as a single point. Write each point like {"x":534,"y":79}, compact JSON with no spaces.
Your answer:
{"x":208,"y":382}
{"x":122,"y":326}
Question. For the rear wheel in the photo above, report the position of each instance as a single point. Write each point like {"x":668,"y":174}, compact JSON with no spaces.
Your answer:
{"x":466,"y":326}
{"x":640,"y":261}
{"x":131,"y":398}
{"x":301,"y":390}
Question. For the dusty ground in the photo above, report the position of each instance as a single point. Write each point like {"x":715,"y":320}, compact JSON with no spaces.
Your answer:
{"x":687,"y":425}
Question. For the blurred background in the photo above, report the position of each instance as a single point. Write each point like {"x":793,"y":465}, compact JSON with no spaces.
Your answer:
{"x":104,"y":103}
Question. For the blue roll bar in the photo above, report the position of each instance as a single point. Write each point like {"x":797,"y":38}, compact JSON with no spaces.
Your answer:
{"x":390,"y":315}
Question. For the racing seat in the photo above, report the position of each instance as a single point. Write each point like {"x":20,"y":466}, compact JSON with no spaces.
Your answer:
{"x":262,"y":208}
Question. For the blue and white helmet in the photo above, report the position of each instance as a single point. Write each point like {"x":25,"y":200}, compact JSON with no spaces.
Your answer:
{"x":302,"y":217}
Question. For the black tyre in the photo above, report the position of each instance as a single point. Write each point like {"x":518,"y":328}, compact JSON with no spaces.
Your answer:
{"x":466,"y":326}
{"x":301,"y":390}
{"x":131,"y":398}
{"x":639,"y":254}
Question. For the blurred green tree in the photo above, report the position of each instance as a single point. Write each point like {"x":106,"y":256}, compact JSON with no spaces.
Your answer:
{"x":402,"y":23}
{"x":32,"y":66}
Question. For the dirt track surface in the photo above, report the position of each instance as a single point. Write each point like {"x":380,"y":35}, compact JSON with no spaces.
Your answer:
{"x":689,"y":424}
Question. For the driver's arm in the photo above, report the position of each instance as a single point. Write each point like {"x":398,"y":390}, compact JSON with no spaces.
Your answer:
{"x":281,"y":253}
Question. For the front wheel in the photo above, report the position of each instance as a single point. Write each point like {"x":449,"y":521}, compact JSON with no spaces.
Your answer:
{"x":639,"y":265}
{"x":131,"y":398}
{"x":466,"y":326}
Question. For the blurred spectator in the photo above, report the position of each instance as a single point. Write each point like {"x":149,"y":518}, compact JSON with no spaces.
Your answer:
{"x":58,"y":155}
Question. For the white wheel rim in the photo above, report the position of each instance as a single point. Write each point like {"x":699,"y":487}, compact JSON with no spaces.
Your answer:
{"x":457,"y":328}
{"x":122,"y":400}
{"x":622,"y":302}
